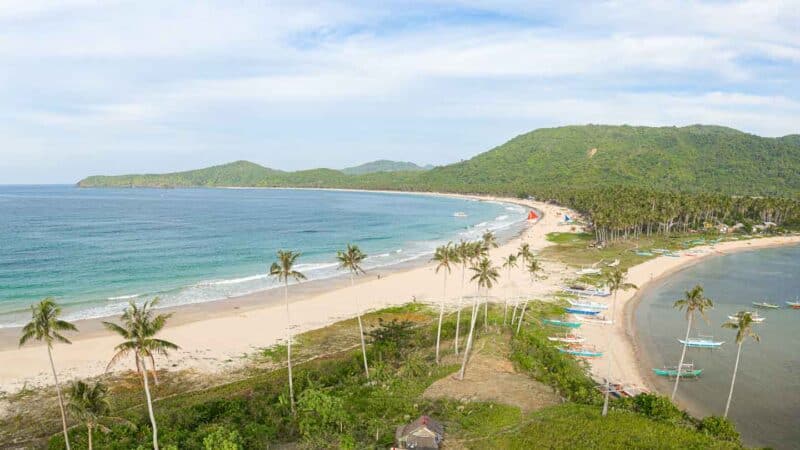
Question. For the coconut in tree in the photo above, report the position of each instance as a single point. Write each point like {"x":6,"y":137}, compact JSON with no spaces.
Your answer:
{"x":350,"y":259}
{"x":283,"y":270}
{"x":45,"y":326}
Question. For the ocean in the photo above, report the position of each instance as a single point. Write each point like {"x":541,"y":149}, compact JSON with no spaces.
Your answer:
{"x":94,"y":250}
{"x":766,"y":398}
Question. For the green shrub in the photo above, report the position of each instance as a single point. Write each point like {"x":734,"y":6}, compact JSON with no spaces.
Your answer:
{"x":719,"y":427}
{"x":657,"y":407}
{"x":222,"y":439}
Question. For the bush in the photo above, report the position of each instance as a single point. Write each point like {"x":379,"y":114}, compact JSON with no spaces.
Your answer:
{"x":658,"y":407}
{"x":719,"y":427}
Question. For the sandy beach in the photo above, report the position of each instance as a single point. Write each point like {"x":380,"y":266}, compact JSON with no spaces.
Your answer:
{"x":214,"y":336}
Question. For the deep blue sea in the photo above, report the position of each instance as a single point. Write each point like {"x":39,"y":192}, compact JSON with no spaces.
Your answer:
{"x":766,"y":399}
{"x":95,"y":249}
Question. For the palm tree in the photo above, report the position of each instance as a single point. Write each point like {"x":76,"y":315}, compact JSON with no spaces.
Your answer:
{"x":45,"y":326}
{"x":138,"y":330}
{"x":489,"y":240}
{"x":744,"y":329}
{"x":525,"y":253}
{"x":509,"y":262}
{"x":485,"y":275}
{"x":445,"y":255}
{"x":283,"y":269}
{"x":90,"y":405}
{"x":350,"y":260}
{"x":463,"y":251}
{"x":693,"y":301}
{"x":615,"y":282}
{"x":533,"y":269}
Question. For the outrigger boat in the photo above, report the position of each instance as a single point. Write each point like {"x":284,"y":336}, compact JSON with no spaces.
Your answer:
{"x":583,"y":352}
{"x":687,"y":371}
{"x":589,"y":271}
{"x":614,"y":263}
{"x":756,"y":318}
{"x":561,"y":323}
{"x":766,"y":305}
{"x":459,"y":214}
{"x":598,"y":320}
{"x":586,"y":291}
{"x":582,"y":311}
{"x":794,"y":305}
{"x":587,"y":305}
{"x":567,"y":339}
{"x":701,"y":342}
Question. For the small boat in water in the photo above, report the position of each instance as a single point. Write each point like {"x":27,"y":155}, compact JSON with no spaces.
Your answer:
{"x":766,"y":305}
{"x":567,"y":339}
{"x":459,"y":214}
{"x":587,"y":305}
{"x":561,"y":323}
{"x":580,"y":351}
{"x":701,"y":342}
{"x":794,"y":304}
{"x":687,"y":371}
{"x":756,"y":318}
{"x":582,"y":311}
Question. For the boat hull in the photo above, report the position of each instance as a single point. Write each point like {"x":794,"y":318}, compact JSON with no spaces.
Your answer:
{"x":559,"y":323}
{"x":701,"y":344}
{"x":674,"y":373}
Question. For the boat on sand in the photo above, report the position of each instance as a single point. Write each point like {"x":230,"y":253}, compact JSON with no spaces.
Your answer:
{"x":561,"y":323}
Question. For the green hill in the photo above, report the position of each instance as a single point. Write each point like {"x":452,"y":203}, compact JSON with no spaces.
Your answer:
{"x":690,"y":159}
{"x":384,"y":165}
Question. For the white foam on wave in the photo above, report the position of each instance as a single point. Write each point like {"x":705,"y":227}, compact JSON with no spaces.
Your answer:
{"x":125,"y":297}
{"x":232,"y":280}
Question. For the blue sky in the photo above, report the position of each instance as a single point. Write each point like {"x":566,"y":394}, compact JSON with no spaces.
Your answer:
{"x":91,"y":87}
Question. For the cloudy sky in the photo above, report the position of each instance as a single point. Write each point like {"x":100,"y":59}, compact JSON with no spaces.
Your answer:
{"x":90,"y":87}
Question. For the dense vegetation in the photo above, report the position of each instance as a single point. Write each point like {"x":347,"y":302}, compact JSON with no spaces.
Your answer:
{"x":384,"y":165}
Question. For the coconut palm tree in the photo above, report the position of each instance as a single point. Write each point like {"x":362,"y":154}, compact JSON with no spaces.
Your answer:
{"x":534,"y":267}
{"x":693,"y":301}
{"x":744,"y":329}
{"x":45,"y":326}
{"x":485,"y":275}
{"x":89,"y":404}
{"x":350,"y":259}
{"x":509,"y":262}
{"x":283,"y":270}
{"x":615,"y":281}
{"x":525,"y":254}
{"x":464,"y":252}
{"x":444,"y":257}
{"x":138,"y":330}
{"x":489,"y":240}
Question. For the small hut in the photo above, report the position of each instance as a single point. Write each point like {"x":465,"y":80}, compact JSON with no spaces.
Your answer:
{"x":421,"y":434}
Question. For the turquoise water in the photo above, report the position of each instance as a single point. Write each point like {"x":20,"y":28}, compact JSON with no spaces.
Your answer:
{"x":95,"y":249}
{"x":766,"y":399}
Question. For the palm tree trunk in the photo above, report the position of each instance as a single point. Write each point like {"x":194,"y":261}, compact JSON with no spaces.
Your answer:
{"x":361,"y":330}
{"x":486,"y":311}
{"x":733,"y":380}
{"x":441,"y":316}
{"x":474,"y":318}
{"x":150,"y":404}
{"x":155,"y":372}
{"x":505,"y":300}
{"x":460,"y":303}
{"x":89,"y":429}
{"x":521,"y":315}
{"x":610,"y":351}
{"x":60,"y":398}
{"x":683,"y":355}
{"x":514,"y":313}
{"x":288,"y":342}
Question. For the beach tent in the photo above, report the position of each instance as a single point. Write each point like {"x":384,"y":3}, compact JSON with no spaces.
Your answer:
{"x":567,"y":218}
{"x":532,"y":215}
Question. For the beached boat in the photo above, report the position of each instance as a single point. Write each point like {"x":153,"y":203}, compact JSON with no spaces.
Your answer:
{"x":589,"y":271}
{"x":766,"y":305}
{"x":459,"y":214}
{"x":583,"y":311}
{"x":794,"y":305}
{"x":756,"y":318}
{"x":643,"y":253}
{"x":597,"y":320}
{"x":567,"y":339}
{"x":701,"y":342}
{"x":687,"y":371}
{"x":614,"y":263}
{"x":660,"y":251}
{"x":586,"y":291}
{"x":672,"y":255}
{"x":583,"y":352}
{"x":561,"y":323}
{"x":587,"y":305}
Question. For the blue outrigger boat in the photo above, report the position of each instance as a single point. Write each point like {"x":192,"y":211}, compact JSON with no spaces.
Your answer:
{"x":561,"y":323}
{"x":587,"y":304}
{"x":585,"y":312}
{"x":583,"y":352}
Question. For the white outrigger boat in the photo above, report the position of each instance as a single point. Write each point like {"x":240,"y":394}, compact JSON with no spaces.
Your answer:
{"x":567,"y":339}
{"x":459,"y":214}
{"x":596,"y":320}
{"x":586,"y":291}
{"x":587,"y":304}
{"x":589,"y":271}
{"x":753,"y":315}
{"x":701,"y":342}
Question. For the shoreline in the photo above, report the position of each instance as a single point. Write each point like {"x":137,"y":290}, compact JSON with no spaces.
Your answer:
{"x":248,"y":322}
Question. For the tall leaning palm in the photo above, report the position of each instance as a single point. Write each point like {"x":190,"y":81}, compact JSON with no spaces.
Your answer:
{"x":534,"y":267}
{"x":139,"y":327}
{"x":463,"y":251}
{"x":525,"y":254}
{"x":350,"y":259}
{"x":45,"y":326}
{"x":615,"y":282}
{"x":694,"y":301}
{"x":485,"y":275}
{"x":283,"y":270}
{"x":744,"y":329}
{"x":89,"y":404}
{"x":444,"y":257}
{"x":509,"y":262}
